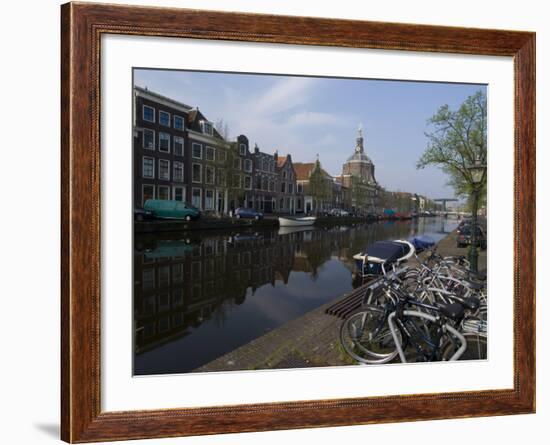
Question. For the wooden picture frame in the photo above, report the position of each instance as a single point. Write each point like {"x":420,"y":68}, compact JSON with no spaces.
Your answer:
{"x":82,"y":26}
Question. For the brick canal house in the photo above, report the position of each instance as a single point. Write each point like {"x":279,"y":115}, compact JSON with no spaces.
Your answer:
{"x":207,"y":169}
{"x":318,"y":188}
{"x":266,"y":181}
{"x":288,"y":198}
{"x":241,"y":167}
{"x":159,"y":147}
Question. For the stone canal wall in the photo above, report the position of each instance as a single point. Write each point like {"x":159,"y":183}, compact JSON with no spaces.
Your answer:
{"x":156,"y":226}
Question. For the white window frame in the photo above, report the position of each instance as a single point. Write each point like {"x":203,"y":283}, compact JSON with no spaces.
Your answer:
{"x":242,"y":149}
{"x":143,"y":169}
{"x":206,"y":207}
{"x":200,"y":198}
{"x":193,"y":173}
{"x":209,"y":167}
{"x":169,"y":139}
{"x":159,"y":175}
{"x":143,"y":192}
{"x":152,"y":148}
{"x":174,"y":164}
{"x":143,"y":113}
{"x":193,"y":151}
{"x":163,"y":187}
{"x":248,"y":162}
{"x":206,"y":148}
{"x":182,"y":187}
{"x":176,"y":116}
{"x":250,"y":182}
{"x":205,"y":125}
{"x":169,"y":119}
{"x":182,"y":146}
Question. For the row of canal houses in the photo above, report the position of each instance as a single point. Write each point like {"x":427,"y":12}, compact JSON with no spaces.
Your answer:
{"x":180,"y":155}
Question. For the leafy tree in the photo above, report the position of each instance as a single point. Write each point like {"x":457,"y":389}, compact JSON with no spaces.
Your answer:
{"x":319,"y":187}
{"x":457,"y":139}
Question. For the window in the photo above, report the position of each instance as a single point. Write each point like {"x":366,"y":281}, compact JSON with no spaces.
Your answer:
{"x":247,"y":165}
{"x":283,"y":187}
{"x":221,"y":177}
{"x":177,"y":174}
{"x":237,"y":163}
{"x":148,"y":114}
{"x":209,"y":199}
{"x":197,"y":151}
{"x":196,"y":198}
{"x":209,"y":154}
{"x":222,"y":155}
{"x":242,"y":149}
{"x":178,"y":146}
{"x":179,"y":193}
{"x":209,"y":173}
{"x":164,"y":170}
{"x":207,"y":128}
{"x":178,"y":123}
{"x":271,"y":186}
{"x":284,"y":174}
{"x":247,"y":182}
{"x":164,"y":142}
{"x":290,"y":188}
{"x":164,"y":192}
{"x":300,"y":188}
{"x":148,"y":167}
{"x":237,"y":181}
{"x":259,"y":182}
{"x":147,"y":192}
{"x":164,"y":118}
{"x":264,"y":183}
{"x":197,"y":173}
{"x":148,"y":139}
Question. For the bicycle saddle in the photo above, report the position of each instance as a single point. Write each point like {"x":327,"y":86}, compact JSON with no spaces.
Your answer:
{"x":471,"y":303}
{"x":454,"y":311}
{"x":474,"y":285}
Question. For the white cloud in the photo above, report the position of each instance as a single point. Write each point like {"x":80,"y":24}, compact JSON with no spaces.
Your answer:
{"x":286,"y":93}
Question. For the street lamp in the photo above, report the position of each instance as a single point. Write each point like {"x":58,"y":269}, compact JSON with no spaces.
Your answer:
{"x":477,"y":171}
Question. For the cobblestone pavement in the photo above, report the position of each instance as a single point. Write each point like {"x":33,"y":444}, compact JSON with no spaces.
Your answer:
{"x":308,"y":341}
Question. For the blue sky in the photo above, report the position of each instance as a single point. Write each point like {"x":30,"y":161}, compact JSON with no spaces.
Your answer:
{"x":306,"y":116}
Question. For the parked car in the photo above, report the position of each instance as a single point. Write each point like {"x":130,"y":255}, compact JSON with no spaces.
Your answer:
{"x":166,"y":209}
{"x":464,"y":237}
{"x":338,"y":212}
{"x":249,"y":213}
{"x":142,"y":214}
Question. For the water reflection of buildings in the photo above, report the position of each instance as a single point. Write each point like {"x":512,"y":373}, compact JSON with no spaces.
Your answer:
{"x":179,"y":284}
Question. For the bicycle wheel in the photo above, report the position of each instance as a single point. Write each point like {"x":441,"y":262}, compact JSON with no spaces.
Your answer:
{"x":476,"y":348}
{"x":366,"y":337}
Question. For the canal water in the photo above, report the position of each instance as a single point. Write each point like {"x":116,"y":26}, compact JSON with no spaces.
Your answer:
{"x":201,"y":294}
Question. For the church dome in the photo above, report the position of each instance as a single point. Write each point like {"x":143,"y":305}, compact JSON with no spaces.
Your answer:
{"x":358,"y":156}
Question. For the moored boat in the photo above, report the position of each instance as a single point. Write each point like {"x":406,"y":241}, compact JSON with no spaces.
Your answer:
{"x":299,"y":221}
{"x":379,"y":256}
